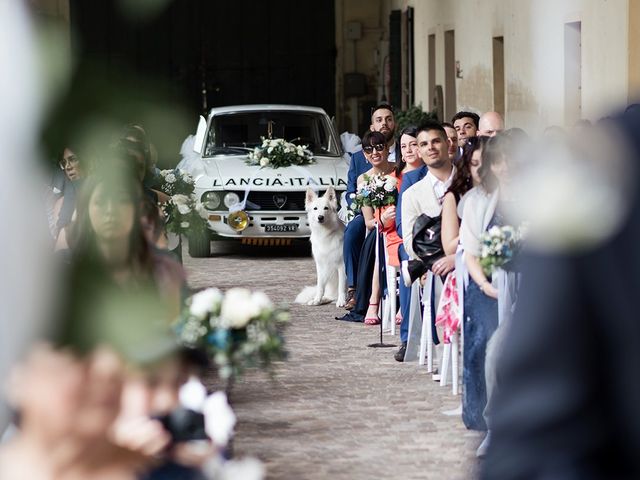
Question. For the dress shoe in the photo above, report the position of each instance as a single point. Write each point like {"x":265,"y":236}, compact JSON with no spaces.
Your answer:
{"x":399,"y":355}
{"x":350,"y":301}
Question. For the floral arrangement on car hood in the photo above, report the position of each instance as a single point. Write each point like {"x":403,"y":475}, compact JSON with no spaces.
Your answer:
{"x":277,"y":153}
{"x":377,"y":191}
{"x":183,"y":212}
{"x":238,"y":329}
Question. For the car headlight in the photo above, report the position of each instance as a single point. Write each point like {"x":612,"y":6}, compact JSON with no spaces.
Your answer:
{"x":231,"y":199}
{"x":210,"y":200}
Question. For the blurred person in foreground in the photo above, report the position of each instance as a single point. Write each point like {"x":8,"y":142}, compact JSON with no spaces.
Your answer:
{"x":567,"y":406}
{"x":66,"y":405}
{"x":108,"y":237}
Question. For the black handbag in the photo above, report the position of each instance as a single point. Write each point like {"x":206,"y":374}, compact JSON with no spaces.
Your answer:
{"x":427,"y":242}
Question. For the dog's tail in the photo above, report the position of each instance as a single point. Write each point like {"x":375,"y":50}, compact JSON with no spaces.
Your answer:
{"x":306,"y":295}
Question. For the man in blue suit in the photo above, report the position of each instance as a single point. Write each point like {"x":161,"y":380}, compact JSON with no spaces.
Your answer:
{"x":383,"y":121}
{"x":408,"y":179}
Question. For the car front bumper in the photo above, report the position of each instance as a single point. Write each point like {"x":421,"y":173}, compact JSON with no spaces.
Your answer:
{"x":263,"y":224}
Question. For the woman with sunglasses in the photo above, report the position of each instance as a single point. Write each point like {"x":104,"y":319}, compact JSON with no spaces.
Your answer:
{"x":64,"y":208}
{"x":376,"y":152}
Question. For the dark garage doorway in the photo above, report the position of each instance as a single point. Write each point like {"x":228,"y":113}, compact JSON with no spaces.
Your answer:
{"x":214,"y":53}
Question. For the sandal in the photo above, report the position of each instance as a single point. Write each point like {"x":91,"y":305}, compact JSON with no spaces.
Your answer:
{"x":373,"y":320}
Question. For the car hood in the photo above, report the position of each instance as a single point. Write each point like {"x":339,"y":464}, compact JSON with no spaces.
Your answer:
{"x":232,"y":173}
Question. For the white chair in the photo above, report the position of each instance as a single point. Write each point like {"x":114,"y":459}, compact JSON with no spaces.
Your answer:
{"x":390,"y":304}
{"x":452,"y":351}
{"x":426,"y":335}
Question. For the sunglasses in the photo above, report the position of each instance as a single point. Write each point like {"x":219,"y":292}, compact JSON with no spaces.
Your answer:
{"x":70,"y":161}
{"x":379,"y":147}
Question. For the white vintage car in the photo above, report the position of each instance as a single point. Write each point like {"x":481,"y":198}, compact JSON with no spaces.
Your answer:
{"x":261,"y":206}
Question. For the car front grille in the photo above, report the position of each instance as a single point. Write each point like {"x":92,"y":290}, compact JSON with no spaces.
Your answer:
{"x":283,"y":201}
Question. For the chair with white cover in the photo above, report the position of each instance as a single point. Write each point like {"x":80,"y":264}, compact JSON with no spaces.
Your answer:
{"x":452,"y":350}
{"x":426,"y":335}
{"x":389,"y":302}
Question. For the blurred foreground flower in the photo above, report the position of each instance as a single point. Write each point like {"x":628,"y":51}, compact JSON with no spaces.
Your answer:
{"x":238,"y":330}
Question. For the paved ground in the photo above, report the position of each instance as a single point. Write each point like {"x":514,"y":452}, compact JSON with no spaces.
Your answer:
{"x":336,"y":408}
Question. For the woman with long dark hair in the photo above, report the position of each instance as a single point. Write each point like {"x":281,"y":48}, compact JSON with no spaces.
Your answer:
{"x":483,"y":209}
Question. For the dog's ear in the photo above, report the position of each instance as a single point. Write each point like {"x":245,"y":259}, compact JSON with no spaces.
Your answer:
{"x":310,"y":197}
{"x":331,"y":195}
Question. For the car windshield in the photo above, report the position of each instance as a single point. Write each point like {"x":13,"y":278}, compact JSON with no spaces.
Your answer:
{"x":237,"y":132}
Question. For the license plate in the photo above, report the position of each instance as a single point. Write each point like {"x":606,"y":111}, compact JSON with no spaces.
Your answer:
{"x":281,"y":228}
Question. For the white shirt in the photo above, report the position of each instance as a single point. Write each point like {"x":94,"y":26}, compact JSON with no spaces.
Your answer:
{"x":440,"y":187}
{"x":392,"y":153}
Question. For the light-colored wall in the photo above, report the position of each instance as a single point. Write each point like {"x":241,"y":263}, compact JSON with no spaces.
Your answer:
{"x":634,"y":50}
{"x":533,"y":32}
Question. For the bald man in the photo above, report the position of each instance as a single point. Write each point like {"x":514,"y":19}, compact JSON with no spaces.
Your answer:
{"x":490,"y":123}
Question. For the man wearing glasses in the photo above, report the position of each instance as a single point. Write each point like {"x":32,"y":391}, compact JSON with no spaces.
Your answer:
{"x":383,"y":121}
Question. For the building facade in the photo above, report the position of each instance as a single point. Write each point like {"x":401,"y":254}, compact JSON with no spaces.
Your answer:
{"x":538,"y":62}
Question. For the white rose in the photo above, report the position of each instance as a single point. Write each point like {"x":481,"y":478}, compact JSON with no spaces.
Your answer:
{"x":204,"y":302}
{"x":261,"y":301}
{"x":270,"y":150}
{"x":219,"y":419}
{"x":180,"y":199}
{"x":238,"y":308}
{"x":184,"y":209}
{"x":170,"y":178}
{"x":388,"y":187}
{"x":494,"y":231}
{"x":193,"y":394}
{"x":264,"y":162}
{"x":184,"y":224}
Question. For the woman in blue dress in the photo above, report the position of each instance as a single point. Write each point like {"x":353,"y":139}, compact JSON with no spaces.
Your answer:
{"x":484,"y":208}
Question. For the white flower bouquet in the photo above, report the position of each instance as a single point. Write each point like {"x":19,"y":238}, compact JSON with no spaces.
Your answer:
{"x":175,"y":181}
{"x":184,"y":214}
{"x":500,"y":245}
{"x":277,"y":153}
{"x":239,"y":329}
{"x":377,"y":191}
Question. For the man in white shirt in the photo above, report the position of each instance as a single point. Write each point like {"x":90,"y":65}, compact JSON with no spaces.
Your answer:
{"x":425,"y":196}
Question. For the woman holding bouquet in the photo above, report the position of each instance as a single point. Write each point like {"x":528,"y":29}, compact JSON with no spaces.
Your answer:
{"x":465,"y":179}
{"x":484,"y":208}
{"x":374,"y":180}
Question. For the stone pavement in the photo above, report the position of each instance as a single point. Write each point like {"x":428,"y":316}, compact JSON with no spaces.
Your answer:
{"x":336,"y":408}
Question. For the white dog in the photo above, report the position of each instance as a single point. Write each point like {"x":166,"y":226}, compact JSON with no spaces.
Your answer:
{"x":327,"y":236}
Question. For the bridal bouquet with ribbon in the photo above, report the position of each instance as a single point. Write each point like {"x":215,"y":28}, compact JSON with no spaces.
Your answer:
{"x":377,"y":191}
{"x":183,"y":212}
{"x":238,"y":329}
{"x":500,"y":246}
{"x":277,"y":153}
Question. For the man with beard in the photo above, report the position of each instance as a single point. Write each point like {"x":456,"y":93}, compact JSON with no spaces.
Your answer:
{"x":383,"y":121}
{"x":466,"y":124}
{"x":422,"y":192}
